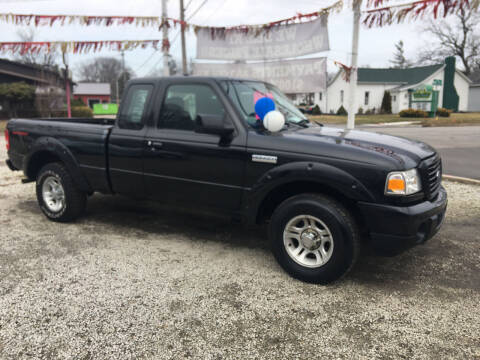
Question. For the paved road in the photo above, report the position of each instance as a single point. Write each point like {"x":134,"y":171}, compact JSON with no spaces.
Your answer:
{"x":458,"y":146}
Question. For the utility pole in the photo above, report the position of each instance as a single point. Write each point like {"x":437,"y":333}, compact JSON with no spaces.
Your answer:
{"x":182,"y":27}
{"x":354,"y":66}
{"x":166,"y":69}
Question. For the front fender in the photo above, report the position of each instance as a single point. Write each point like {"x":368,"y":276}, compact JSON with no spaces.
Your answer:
{"x":56,"y":148}
{"x":321,"y":174}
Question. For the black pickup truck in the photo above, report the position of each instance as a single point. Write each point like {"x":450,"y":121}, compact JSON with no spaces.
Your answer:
{"x":198,"y":142}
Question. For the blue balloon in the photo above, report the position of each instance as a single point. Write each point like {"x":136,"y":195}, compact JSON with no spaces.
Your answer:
{"x":263,"y":106}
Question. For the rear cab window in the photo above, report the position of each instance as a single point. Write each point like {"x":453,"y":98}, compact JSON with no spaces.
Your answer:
{"x":132,"y":113}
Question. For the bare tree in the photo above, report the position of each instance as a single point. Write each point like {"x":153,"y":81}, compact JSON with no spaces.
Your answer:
{"x":106,"y":70}
{"x":399,"y":60}
{"x":43,"y":58}
{"x":459,"y":38}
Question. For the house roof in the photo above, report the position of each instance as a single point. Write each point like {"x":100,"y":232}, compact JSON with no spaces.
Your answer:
{"x":409,"y":76}
{"x":31,"y":72}
{"x":92,"y":89}
{"x":401,"y":77}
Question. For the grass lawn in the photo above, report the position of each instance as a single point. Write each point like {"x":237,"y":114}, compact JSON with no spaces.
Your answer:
{"x":359,"y":119}
{"x":456,"y":119}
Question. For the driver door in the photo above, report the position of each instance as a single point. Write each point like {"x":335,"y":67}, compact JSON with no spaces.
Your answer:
{"x":184,"y":167}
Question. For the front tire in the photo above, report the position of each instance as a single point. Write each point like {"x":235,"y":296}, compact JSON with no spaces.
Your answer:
{"x":314,"y":238}
{"x":57,"y":195}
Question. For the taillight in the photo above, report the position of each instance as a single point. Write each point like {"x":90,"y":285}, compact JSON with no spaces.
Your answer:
{"x":7,"y":139}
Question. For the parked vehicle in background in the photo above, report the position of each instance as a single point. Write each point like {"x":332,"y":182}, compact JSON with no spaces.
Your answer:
{"x":306,"y":109}
{"x":197,"y":142}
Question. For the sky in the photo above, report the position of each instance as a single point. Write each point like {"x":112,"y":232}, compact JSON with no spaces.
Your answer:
{"x":375,"y":50}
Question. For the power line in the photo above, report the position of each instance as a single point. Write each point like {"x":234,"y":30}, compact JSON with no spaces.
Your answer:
{"x":186,"y":7}
{"x":196,"y":11}
{"x":215,"y":10}
{"x":179,"y":31}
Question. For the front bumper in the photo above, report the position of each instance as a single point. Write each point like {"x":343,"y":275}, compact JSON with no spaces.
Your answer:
{"x":394,"y":229}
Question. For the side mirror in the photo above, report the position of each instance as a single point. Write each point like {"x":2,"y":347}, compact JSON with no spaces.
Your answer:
{"x":214,"y":124}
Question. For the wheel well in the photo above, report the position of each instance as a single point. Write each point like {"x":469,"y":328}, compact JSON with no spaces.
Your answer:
{"x":39,"y":160}
{"x":283,"y":192}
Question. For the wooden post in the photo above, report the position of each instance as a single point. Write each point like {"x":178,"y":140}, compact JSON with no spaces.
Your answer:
{"x":67,"y":87}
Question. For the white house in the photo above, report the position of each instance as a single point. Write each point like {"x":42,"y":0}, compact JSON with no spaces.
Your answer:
{"x":452,"y":88}
{"x":474,"y":98}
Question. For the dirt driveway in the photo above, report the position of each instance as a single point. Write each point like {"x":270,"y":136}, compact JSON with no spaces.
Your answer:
{"x":131,"y":280}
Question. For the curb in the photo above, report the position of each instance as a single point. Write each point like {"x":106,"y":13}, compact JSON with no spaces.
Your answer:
{"x":460,"y":179}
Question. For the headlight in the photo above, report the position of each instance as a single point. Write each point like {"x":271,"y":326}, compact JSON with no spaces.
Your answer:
{"x":403,"y":182}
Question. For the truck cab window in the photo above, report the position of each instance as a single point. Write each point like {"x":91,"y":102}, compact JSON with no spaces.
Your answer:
{"x":183,"y":103}
{"x":132,"y":113}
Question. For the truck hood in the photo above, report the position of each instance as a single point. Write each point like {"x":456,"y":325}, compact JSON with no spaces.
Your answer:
{"x":356,"y":145}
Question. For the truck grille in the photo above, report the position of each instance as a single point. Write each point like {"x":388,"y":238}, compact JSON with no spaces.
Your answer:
{"x":431,"y":173}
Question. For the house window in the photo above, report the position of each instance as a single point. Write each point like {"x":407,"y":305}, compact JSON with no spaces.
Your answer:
{"x":394,"y":97}
{"x":320,"y":96}
{"x":367,"y":96}
{"x":341,"y":96}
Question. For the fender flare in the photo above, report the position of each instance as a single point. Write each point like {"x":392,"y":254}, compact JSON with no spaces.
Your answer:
{"x":305,"y":171}
{"x":58,"y":149}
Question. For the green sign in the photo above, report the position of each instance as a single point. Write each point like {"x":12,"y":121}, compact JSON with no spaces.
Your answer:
{"x":437,"y":82}
{"x":423,"y":93}
{"x":424,"y":98}
{"x":105,"y":109}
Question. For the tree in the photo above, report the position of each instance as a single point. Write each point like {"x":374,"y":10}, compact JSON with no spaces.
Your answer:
{"x":386,"y":107}
{"x":42,"y":57}
{"x":106,"y":70}
{"x":459,"y":37}
{"x":399,"y":60}
{"x":17,"y":96}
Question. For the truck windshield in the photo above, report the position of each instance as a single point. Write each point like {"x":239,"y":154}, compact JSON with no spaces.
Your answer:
{"x":245,"y":93}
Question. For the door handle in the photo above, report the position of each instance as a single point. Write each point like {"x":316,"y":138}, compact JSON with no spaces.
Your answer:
{"x":154,"y":144}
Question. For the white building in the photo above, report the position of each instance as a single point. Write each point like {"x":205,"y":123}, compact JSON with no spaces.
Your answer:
{"x":474,"y":98}
{"x":452,"y":86}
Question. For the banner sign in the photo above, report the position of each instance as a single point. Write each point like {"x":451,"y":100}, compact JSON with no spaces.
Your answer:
{"x":290,"y":76}
{"x":284,"y":41}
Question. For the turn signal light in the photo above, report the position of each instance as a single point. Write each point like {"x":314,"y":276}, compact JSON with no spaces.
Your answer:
{"x":403,"y":182}
{"x":396,"y":185}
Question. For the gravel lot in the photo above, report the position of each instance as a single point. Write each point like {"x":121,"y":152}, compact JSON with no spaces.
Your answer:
{"x":132,"y":280}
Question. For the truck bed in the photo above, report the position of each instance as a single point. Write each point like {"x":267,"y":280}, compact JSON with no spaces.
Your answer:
{"x":85,"y":138}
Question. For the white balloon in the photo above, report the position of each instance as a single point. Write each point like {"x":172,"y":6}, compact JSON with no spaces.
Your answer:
{"x":274,"y":121}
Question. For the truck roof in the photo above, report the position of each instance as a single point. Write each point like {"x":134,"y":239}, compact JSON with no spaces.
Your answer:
{"x":217,"y":78}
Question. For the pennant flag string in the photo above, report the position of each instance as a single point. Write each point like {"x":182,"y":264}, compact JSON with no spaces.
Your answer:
{"x":388,"y":15}
{"x":378,"y":14}
{"x":77,"y":47}
{"x":50,"y":20}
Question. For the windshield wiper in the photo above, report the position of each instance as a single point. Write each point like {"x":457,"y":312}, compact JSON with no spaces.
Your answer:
{"x":304,"y":122}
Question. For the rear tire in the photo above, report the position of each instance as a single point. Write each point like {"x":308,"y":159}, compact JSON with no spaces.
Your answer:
{"x":57,"y":195}
{"x":314,"y":238}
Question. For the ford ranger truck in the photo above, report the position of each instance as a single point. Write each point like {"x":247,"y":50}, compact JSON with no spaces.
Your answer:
{"x":197,"y":142}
